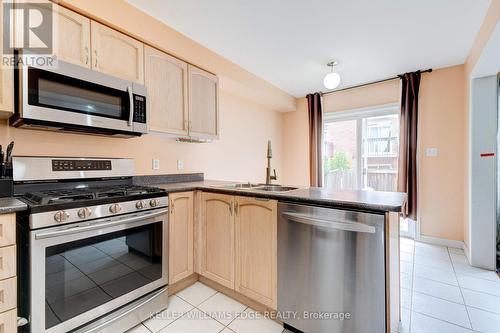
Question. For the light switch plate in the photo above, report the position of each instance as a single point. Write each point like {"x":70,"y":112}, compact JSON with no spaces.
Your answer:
{"x":431,"y":152}
{"x":180,"y":164}
{"x":156,"y":164}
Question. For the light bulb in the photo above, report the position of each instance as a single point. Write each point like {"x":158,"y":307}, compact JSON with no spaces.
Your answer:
{"x":331,"y":80}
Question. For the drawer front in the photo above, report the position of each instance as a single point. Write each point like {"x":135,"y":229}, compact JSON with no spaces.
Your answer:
{"x":7,"y":229}
{"x":7,"y":262}
{"x":8,"y":321}
{"x":8,"y":294}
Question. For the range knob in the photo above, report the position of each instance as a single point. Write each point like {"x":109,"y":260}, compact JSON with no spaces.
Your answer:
{"x":140,"y":204}
{"x":61,"y":216}
{"x":115,"y":208}
{"x":154,"y":202}
{"x":84,"y":213}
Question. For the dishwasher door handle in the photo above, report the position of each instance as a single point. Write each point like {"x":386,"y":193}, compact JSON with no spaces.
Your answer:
{"x":335,"y":225}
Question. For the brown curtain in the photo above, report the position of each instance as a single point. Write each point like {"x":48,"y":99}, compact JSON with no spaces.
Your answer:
{"x":407,"y":178}
{"x":315,"y":139}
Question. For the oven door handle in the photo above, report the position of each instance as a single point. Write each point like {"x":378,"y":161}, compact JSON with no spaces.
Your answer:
{"x":131,"y":106}
{"x":98,"y":225}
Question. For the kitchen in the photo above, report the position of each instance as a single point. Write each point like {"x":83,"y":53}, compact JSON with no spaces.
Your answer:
{"x":187,"y":187}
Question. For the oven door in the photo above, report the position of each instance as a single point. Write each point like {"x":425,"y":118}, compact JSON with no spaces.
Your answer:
{"x":79,"y":96}
{"x":83,"y":271}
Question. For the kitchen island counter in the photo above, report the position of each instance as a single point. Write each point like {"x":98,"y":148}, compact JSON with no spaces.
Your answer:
{"x":365,"y":200}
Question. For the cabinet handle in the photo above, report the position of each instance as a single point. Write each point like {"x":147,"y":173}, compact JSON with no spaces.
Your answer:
{"x":236,"y":206}
{"x":95,"y":53}
{"x":231,"y":208}
{"x":86,"y":55}
{"x":171,"y":207}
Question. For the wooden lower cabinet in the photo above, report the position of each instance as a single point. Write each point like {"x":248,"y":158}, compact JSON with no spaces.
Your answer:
{"x":256,"y":249}
{"x":181,"y":237}
{"x":8,"y":280}
{"x":239,"y":245}
{"x":217,"y":232}
{"x":8,"y":321}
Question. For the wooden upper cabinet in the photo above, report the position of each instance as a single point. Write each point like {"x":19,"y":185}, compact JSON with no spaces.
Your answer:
{"x":6,"y":80}
{"x":116,"y":54}
{"x":73,"y":37}
{"x":217,"y":262}
{"x":203,"y":103}
{"x":181,"y":236}
{"x":166,"y":80}
{"x":256,"y":249}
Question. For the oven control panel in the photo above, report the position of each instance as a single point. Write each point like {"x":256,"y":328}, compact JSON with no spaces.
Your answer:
{"x":81,"y":165}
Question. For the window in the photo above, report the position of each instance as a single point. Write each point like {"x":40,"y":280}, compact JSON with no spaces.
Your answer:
{"x":361,"y":149}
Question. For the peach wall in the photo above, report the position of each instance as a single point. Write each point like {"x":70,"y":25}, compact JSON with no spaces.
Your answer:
{"x":387,"y":92}
{"x":249,"y":112}
{"x":491,"y":20}
{"x":441,"y":125}
{"x":296,"y":146}
{"x":238,"y":155}
{"x":441,"y":178}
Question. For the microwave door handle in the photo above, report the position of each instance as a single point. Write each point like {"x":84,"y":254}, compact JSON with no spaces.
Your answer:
{"x":131,"y":106}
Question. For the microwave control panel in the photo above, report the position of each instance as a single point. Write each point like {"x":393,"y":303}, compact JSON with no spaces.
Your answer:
{"x":81,"y":165}
{"x":139,"y":109}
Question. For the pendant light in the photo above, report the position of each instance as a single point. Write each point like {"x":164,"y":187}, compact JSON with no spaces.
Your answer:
{"x":332,"y":79}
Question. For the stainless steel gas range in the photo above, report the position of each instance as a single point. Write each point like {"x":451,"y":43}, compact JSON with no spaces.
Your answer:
{"x":92,"y":246}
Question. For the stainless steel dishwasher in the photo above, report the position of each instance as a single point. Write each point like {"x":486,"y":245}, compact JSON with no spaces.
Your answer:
{"x":331,"y":270}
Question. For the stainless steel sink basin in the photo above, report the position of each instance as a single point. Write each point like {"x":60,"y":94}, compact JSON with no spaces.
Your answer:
{"x":256,"y":187}
{"x":238,"y":186}
{"x":275,"y":188}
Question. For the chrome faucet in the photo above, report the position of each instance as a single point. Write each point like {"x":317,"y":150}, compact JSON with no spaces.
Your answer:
{"x":269,"y":177}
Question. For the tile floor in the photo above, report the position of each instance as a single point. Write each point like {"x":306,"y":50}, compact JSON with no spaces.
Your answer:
{"x":200,"y":309}
{"x":440,"y":293}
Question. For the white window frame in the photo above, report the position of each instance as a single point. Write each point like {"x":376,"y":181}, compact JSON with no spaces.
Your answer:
{"x":358,"y":114}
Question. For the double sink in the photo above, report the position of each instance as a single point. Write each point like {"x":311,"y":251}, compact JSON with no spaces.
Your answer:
{"x":257,"y":187}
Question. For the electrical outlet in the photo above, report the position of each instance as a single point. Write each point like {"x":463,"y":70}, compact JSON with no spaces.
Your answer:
{"x":431,"y":152}
{"x":156,"y":164}
{"x":180,"y":164}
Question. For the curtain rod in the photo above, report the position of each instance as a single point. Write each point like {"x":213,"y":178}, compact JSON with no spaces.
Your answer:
{"x":369,"y":83}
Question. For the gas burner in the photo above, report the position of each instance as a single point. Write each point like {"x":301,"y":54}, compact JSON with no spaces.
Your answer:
{"x":50,"y":197}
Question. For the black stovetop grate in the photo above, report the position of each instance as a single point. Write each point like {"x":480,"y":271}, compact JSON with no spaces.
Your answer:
{"x":48,"y":197}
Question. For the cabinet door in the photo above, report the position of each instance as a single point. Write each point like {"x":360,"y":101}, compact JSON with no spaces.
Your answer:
{"x":6,"y":80}
{"x":73,"y":36}
{"x":181,"y":239}
{"x":203,"y":104}
{"x":8,"y":321}
{"x":217,"y":261}
{"x":166,"y":79}
{"x":256,"y":249}
{"x":116,"y":54}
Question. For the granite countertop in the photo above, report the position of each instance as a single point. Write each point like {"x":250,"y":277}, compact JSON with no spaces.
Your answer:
{"x":357,"y":200}
{"x":11,"y":205}
{"x":373,"y":201}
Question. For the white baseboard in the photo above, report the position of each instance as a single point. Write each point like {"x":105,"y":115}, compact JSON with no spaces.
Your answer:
{"x":467,"y":252}
{"x":442,"y":242}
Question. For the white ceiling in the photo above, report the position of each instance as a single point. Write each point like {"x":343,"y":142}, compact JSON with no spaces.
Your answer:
{"x":289,"y":42}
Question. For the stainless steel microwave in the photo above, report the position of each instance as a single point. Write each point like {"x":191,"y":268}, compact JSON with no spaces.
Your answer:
{"x":72,"y":98}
